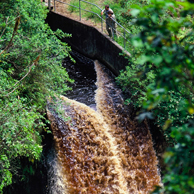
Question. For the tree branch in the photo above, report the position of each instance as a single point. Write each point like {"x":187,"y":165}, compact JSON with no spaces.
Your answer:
{"x":14,"y":32}
{"x":20,"y":80}
{"x":33,"y":64}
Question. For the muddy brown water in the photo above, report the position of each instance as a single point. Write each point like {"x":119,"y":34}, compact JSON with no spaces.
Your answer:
{"x":99,"y":149}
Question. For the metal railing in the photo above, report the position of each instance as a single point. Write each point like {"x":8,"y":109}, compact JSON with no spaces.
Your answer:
{"x":101,"y":17}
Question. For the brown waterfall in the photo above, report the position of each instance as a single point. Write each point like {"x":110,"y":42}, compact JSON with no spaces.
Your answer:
{"x":134,"y":141}
{"x":103,"y":151}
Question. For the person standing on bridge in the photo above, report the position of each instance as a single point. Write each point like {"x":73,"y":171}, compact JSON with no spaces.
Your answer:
{"x":108,"y":21}
{"x":112,"y":24}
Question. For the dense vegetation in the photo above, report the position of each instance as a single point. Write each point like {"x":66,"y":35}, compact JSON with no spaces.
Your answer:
{"x":161,"y":83}
{"x":160,"y":78}
{"x":30,"y":71}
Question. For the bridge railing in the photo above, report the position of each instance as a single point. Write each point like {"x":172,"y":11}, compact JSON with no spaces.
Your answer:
{"x":122,"y":34}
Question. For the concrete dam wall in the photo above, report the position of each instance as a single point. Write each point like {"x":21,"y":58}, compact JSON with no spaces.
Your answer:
{"x":90,"y":42}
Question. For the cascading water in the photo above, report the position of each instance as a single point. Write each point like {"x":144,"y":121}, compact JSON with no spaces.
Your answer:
{"x":101,"y":151}
{"x":134,"y":141}
{"x":56,"y":180}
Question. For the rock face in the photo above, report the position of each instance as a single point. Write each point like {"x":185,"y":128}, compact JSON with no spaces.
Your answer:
{"x":103,"y":151}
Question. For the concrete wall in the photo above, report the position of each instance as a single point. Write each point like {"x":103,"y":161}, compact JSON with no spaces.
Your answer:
{"x":89,"y":41}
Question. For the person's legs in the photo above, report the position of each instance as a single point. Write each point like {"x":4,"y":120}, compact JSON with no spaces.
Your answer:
{"x":114,"y":25}
{"x":108,"y":27}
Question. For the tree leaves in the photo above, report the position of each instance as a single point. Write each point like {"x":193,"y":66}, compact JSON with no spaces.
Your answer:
{"x":30,"y":70}
{"x":166,"y":38}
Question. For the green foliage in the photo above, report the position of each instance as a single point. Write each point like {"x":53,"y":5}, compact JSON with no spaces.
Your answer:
{"x":86,"y":10}
{"x":167,"y":54}
{"x":30,"y":71}
{"x":132,"y":80}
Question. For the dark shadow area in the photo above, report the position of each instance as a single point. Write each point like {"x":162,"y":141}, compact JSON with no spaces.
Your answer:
{"x":83,"y":72}
{"x":34,"y":179}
